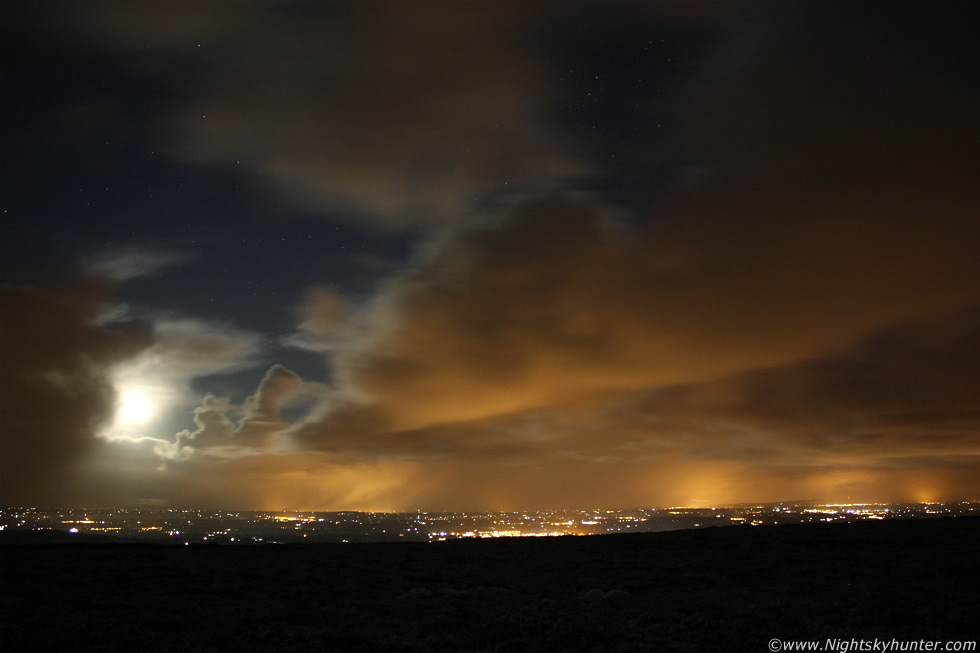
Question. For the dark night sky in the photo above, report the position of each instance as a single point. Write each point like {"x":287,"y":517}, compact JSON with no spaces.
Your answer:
{"x":488,"y":255}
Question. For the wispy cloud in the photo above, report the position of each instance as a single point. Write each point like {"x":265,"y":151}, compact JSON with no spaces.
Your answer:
{"x":128,"y":263}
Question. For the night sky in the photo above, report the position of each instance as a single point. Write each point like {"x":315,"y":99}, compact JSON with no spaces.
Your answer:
{"x":488,"y":256}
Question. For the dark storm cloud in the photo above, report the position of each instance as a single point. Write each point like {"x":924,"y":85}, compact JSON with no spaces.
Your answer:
{"x":55,"y":390}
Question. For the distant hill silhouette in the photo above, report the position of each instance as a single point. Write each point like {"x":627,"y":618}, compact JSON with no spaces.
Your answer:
{"x":722,"y":589}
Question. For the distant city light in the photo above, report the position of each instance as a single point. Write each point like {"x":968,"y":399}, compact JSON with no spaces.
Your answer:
{"x":242,"y":528}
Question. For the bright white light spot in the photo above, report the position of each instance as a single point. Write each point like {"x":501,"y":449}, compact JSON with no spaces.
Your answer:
{"x":135,"y":408}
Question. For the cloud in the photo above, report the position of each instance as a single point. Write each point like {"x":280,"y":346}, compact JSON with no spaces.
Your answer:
{"x":781,"y":324}
{"x":261,"y":417}
{"x":55,"y":387}
{"x":188,"y":347}
{"x":271,"y":482}
{"x":893,"y":416}
{"x":782,"y":118}
{"x":796,"y":317}
{"x":68,"y":356}
{"x":278,"y":388}
{"x":903,"y":395}
{"x":550,"y":307}
{"x":324,"y":321}
{"x":184,"y":350}
{"x":127,"y":263}
{"x":839,"y":203}
{"x":404,"y":115}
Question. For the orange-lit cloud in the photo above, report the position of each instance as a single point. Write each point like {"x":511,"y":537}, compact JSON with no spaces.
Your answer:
{"x":795,"y":317}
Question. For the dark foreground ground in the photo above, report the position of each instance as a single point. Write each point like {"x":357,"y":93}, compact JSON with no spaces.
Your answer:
{"x":730,"y":589}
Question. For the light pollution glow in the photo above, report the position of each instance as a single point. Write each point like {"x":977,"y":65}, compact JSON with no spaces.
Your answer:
{"x":732,"y":262}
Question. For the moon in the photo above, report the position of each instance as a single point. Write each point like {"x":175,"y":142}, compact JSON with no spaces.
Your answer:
{"x":135,"y":408}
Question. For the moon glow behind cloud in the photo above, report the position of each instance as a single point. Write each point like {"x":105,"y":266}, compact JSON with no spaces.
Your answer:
{"x":135,"y":408}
